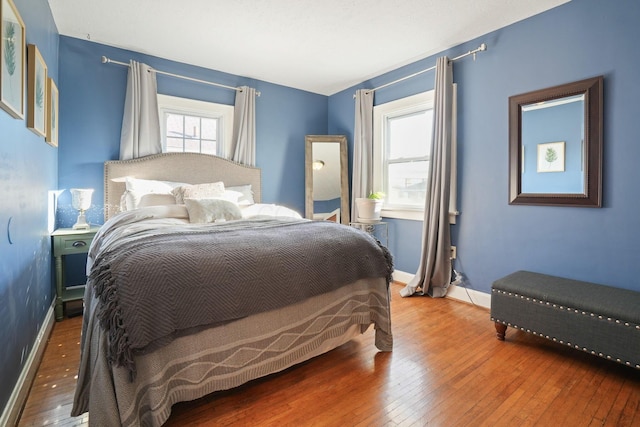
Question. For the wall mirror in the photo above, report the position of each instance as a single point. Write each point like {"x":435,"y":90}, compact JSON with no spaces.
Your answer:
{"x":326,"y":184}
{"x":555,"y":145}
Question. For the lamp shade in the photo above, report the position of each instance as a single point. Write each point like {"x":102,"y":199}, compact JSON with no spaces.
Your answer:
{"x":81,"y":198}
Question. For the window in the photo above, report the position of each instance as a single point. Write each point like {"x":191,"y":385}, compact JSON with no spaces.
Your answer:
{"x":188,"y":125}
{"x":403,"y":130}
{"x":402,"y":143}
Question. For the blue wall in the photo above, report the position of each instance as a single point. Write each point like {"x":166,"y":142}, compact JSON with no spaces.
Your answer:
{"x":28,"y":172}
{"x":92,"y":101}
{"x":578,"y":40}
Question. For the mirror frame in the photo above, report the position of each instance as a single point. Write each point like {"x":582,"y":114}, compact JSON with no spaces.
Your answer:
{"x":344,"y":175}
{"x":592,"y":196}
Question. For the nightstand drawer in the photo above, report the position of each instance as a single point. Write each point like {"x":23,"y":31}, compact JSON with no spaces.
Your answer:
{"x":66,"y":245}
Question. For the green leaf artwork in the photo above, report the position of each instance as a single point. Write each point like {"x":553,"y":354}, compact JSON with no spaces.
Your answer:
{"x":39,"y":90}
{"x":10,"y":47}
{"x":551,"y":155}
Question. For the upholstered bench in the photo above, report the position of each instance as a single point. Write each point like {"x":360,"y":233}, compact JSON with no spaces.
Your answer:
{"x":597,"y":319}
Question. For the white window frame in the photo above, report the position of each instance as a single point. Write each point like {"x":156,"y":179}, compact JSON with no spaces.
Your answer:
{"x":399,"y":107}
{"x":193,"y":107}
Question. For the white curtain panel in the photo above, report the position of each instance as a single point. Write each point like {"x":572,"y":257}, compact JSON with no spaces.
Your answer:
{"x":140,"y":135}
{"x":362,"y":179}
{"x":243,"y":146}
{"x":434,"y":272}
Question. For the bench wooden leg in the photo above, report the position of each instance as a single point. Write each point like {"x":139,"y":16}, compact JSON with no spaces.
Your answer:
{"x":500,"y":330}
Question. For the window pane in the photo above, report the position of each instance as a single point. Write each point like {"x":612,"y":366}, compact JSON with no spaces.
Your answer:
{"x":407,"y":183}
{"x":410,"y":135}
{"x":175,"y":125}
{"x":209,"y":129}
{"x":187,"y":132}
{"x":208,"y":147}
{"x":191,"y":127}
{"x":192,"y":146}
{"x":174,"y":144}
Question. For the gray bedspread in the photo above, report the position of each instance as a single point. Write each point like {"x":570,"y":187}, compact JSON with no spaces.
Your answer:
{"x":154,"y":287}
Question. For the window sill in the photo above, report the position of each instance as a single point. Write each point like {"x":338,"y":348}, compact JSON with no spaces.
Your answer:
{"x":413,"y":215}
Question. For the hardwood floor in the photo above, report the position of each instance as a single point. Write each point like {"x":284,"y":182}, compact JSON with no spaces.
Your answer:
{"x":447,"y":369}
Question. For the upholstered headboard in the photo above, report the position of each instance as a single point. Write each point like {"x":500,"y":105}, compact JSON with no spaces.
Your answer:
{"x":191,"y":168}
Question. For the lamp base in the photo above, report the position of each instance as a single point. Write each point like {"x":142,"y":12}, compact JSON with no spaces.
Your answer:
{"x":81,"y":222}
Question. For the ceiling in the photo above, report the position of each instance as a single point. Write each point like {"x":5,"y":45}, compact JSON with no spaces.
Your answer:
{"x":321,"y":46}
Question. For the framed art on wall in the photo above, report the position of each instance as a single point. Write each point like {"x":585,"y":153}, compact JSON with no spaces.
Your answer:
{"x":37,"y":91}
{"x":551,"y":157}
{"x":12,"y":59}
{"x":52,"y":113}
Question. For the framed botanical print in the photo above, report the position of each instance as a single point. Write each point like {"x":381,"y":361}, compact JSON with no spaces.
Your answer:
{"x":36,"y":91}
{"x":52,"y":113}
{"x":12,"y":59}
{"x":551,"y":157}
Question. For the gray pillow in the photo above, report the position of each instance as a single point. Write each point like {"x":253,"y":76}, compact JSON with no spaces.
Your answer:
{"x":211,"y":210}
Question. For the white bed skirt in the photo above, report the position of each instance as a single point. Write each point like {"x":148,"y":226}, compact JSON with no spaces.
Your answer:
{"x":193,"y":366}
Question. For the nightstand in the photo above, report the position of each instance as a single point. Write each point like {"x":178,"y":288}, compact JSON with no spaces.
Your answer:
{"x":67,"y":241}
{"x":379,"y":230}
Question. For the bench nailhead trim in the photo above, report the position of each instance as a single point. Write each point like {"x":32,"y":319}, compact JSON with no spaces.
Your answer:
{"x":608,"y":357}
{"x":562,"y":307}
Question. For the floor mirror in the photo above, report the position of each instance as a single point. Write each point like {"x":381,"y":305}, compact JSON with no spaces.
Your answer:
{"x":326,"y":178}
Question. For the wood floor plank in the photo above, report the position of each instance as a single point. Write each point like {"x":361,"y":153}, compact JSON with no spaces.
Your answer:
{"x":447,"y":369}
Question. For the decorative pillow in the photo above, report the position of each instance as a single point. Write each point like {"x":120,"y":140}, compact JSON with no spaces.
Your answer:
{"x":198,"y":191}
{"x":247,"y":194}
{"x":212,"y":210}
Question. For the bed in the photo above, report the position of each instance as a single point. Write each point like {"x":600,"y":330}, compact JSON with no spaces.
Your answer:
{"x":180,"y":304}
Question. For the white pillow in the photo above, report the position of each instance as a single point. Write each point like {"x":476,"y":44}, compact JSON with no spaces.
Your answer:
{"x":150,"y":185}
{"x":136,"y":189}
{"x":268,"y":210}
{"x":211,"y":210}
{"x":198,"y":191}
{"x":134,"y":199}
{"x":154,"y":199}
{"x":247,"y":194}
{"x":232,"y":196}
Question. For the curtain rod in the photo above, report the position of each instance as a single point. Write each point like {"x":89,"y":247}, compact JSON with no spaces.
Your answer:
{"x":106,"y":60}
{"x":481,"y":48}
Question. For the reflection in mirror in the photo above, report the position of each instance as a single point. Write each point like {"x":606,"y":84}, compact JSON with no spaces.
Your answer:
{"x":552,"y":145}
{"x":326,"y":180}
{"x":555,"y":145}
{"x":327,"y":196}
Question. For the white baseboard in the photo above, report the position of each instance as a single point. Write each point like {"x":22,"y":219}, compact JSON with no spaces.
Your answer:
{"x":20,"y":392}
{"x":459,"y":293}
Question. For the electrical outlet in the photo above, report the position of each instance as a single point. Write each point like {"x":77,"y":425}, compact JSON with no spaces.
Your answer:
{"x":454,"y":252}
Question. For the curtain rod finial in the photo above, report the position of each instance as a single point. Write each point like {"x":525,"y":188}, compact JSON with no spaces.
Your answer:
{"x":105,"y":59}
{"x":483,"y":47}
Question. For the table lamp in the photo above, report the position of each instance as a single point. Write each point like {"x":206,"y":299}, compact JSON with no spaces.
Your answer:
{"x":81,"y":200}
